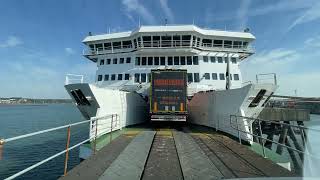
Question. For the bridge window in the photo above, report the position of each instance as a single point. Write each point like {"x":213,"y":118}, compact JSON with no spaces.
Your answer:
{"x":212,"y":59}
{"x":102,"y":62}
{"x":195,"y":60}
{"x":207,"y":42}
{"x":186,"y":40}
{"x":119,"y":77}
{"x":107,"y":46}
{"x":127,"y":44}
{"x":128,"y":60}
{"x":163,"y":61}
{"x":189,"y":60}
{"x":156,"y":61}
{"x":99,"y":47}
{"x":99,"y":77}
{"x":113,"y":77}
{"x":196,"y":77}
{"x":220,"y":60}
{"x":116,"y":45}
{"x":236,"y":77}
{"x":221,"y":76}
{"x":205,"y":59}
{"x":144,"y":61}
{"x":108,"y":61}
{"x":170,"y":61}
{"x":126,"y":76}
{"x":139,"y":42}
{"x":91,"y":47}
{"x":234,"y":60}
{"x":150,"y":61}
{"x":227,"y":44}
{"x":135,"y":43}
{"x":217,"y":43}
{"x":146,"y":41}
{"x":138,"y":61}
{"x":106,"y":77}
{"x":245,"y":44}
{"x":183,"y":60}
{"x":136,"y":78}
{"x":121,"y":61}
{"x":176,"y":41}
{"x":143,"y":77}
{"x":176,"y":60}
{"x":226,"y":59}
{"x":190,"y":77}
{"x":214,"y":76}
{"x":166,"y":41}
{"x":156,"y":41}
{"x":115,"y":61}
{"x":206,"y":76}
{"x":237,"y":44}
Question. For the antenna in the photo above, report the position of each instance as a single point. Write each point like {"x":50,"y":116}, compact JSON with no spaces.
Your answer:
{"x":192,"y":21}
{"x":165,"y":21}
{"x":109,"y":30}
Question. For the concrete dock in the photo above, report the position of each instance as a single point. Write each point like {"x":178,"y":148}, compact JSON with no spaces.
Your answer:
{"x":175,"y":154}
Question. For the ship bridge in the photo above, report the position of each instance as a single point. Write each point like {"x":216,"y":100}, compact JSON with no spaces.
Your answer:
{"x":125,"y":59}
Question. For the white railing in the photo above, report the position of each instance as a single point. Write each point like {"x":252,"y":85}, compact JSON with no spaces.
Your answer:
{"x":73,"y":79}
{"x":236,"y":121}
{"x":168,"y":44}
{"x":66,"y":151}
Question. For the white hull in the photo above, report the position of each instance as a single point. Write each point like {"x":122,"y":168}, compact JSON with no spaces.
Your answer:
{"x":213,"y":108}
{"x":129,"y":107}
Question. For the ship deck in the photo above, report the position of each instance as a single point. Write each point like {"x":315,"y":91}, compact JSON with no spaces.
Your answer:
{"x":175,"y":153}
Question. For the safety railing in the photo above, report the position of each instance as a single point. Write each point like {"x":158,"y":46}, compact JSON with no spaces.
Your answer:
{"x":73,"y":78}
{"x":266,"y":78}
{"x":235,"y":123}
{"x":113,"y":118}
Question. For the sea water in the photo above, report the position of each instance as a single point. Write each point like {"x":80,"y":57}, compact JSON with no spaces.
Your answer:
{"x":21,"y":119}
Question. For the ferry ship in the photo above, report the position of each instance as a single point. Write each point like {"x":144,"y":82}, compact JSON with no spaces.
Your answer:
{"x":215,"y":89}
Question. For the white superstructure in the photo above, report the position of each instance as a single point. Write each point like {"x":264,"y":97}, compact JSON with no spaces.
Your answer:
{"x":211,"y":57}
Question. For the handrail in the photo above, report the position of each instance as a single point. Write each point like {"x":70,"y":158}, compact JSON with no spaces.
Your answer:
{"x":301,"y":128}
{"x":7,"y":140}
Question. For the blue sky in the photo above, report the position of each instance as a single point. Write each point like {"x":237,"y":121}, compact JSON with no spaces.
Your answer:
{"x":40,"y":41}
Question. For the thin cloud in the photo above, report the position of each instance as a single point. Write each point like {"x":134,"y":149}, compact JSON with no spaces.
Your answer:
{"x":69,"y":51}
{"x":12,"y":41}
{"x":167,"y":11}
{"x":311,"y":14}
{"x":134,"y":6}
{"x":313,"y":42}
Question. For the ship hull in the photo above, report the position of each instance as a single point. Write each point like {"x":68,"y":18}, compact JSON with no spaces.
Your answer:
{"x":214,"y":108}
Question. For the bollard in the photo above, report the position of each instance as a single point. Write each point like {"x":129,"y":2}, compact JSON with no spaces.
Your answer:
{"x":67,"y":152}
{"x":2,"y":141}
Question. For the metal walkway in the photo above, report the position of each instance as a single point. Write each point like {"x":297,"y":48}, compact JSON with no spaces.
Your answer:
{"x":174,"y":154}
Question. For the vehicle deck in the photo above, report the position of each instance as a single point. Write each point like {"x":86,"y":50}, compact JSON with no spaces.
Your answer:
{"x":175,"y":153}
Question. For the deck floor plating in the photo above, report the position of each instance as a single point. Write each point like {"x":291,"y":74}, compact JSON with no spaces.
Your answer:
{"x":175,"y":154}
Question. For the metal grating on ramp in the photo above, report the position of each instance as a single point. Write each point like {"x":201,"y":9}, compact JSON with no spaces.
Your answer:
{"x":130,"y":163}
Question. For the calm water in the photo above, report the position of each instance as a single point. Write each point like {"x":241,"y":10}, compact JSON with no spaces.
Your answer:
{"x":17,"y":155}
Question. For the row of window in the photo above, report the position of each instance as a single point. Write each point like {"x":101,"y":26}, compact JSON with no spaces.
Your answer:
{"x":115,"y":61}
{"x":143,"y":77}
{"x":170,"y":60}
{"x":168,"y":41}
{"x":195,"y":77}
